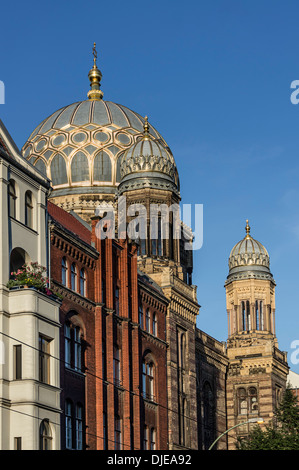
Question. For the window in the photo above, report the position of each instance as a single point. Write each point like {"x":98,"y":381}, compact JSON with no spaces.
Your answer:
{"x":155,"y":324}
{"x":247,"y":401}
{"x":117,"y":300}
{"x":261,"y":316}
{"x":242,"y":401}
{"x":82,"y":282}
{"x":67,"y":344}
{"x":73,"y":347}
{"x":68,"y":425}
{"x":183,"y":351}
{"x":104,"y":359}
{"x":79,"y":427}
{"x":45,"y":435}
{"x":77,"y":349}
{"x":246,"y":317}
{"x":17,"y":443}
{"x":116,"y":366}
{"x":148,"y":380}
{"x":74,"y":277}
{"x":140,"y":315}
{"x":28,"y":209}
{"x":12,"y":199}
{"x":145,"y":438}
{"x":17,"y":361}
{"x":257,"y":315}
{"x":147,"y":320}
{"x":105,"y":432}
{"x":44,"y":360}
{"x":64,"y":272}
{"x":253,"y":404}
{"x":117,"y":433}
{"x":153,"y":439}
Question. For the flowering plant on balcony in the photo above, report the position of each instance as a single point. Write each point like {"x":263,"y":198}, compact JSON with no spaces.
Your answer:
{"x":31,"y":275}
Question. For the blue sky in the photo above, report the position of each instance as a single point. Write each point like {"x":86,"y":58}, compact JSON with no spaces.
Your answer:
{"x":214,"y":78}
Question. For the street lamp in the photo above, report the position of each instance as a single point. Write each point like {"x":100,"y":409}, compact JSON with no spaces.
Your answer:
{"x":251,"y":420}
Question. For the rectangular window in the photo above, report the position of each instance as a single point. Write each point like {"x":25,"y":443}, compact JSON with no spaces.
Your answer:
{"x":153,"y":439}
{"x":105,"y":432}
{"x":17,"y":361}
{"x":145,"y":438}
{"x":116,"y":366}
{"x":117,"y":433}
{"x":78,"y":349}
{"x":117,"y":300}
{"x":67,"y":345}
{"x":79,"y":427}
{"x":17,"y":443}
{"x":68,"y":425}
{"x":44,"y":359}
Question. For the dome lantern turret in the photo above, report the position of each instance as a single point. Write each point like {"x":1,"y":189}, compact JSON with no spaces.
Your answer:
{"x":148,"y":163}
{"x":249,"y":259}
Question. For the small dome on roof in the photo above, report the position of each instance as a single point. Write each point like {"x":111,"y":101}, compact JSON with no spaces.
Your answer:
{"x":249,"y":259}
{"x":148,"y":163}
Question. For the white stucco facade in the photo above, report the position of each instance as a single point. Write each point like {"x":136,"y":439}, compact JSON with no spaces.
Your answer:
{"x":29,"y":401}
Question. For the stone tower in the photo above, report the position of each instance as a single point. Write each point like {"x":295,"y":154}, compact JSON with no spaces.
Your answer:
{"x":257,"y":368}
{"x":149,"y":183}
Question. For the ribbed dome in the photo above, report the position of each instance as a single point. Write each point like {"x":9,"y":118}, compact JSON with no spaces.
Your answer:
{"x":148,"y":163}
{"x":79,"y":145}
{"x":249,"y":259}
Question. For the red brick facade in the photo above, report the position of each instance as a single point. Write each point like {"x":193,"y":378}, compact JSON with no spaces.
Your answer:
{"x":113,"y":369}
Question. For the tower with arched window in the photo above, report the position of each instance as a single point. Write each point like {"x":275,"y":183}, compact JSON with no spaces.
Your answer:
{"x":257,"y":369}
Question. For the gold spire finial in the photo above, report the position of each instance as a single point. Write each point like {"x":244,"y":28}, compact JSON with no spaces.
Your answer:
{"x":95,"y":77}
{"x":146,"y":126}
{"x":247,"y":228}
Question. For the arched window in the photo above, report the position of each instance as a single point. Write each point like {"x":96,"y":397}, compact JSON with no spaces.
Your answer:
{"x":243,"y":316}
{"x":74,"y":277}
{"x":242,"y":401}
{"x":41,"y":166}
{"x":18,"y":258}
{"x":155,"y":324}
{"x":261,"y":316}
{"x":79,"y":167}
{"x":102,"y":167}
{"x":45,"y":435}
{"x":83,"y":282}
{"x":79,"y":427}
{"x":64,"y":272}
{"x":148,"y":320}
{"x":257,"y":315}
{"x":248,"y":316}
{"x":58,"y":170}
{"x":148,"y":380}
{"x":253,"y":403}
{"x":77,"y":349}
{"x":73,"y":354}
{"x":68,"y":425}
{"x":209,"y":411}
{"x":183,"y":351}
{"x":67,"y":345}
{"x":12,"y":197}
{"x":28,"y":209}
